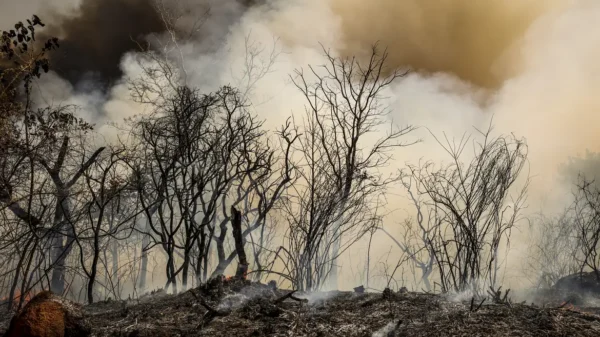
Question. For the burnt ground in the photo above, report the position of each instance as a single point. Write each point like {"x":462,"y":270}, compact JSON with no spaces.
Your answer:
{"x":246,"y":309}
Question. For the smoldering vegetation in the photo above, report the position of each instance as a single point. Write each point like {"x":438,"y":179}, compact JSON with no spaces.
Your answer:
{"x":183,"y":166}
{"x":246,"y":309}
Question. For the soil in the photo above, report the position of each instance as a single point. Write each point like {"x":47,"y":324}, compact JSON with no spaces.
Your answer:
{"x":241,"y":308}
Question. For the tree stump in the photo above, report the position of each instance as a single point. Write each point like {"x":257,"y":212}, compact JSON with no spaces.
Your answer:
{"x":359,"y":290}
{"x":48,"y":315}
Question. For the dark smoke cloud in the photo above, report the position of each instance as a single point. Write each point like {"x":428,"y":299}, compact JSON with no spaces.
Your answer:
{"x":95,"y":37}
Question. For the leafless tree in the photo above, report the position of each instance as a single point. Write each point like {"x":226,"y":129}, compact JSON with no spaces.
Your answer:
{"x":472,"y":202}
{"x":206,"y":153}
{"x":64,"y":178}
{"x":21,"y":63}
{"x":261,"y":195}
{"x":344,"y":111}
{"x":106,"y":214}
{"x":417,"y":234}
{"x":314,"y":207}
{"x":39,"y":152}
{"x":186,"y":168}
{"x":586,"y":220}
{"x":201,"y":154}
{"x":553,"y":254}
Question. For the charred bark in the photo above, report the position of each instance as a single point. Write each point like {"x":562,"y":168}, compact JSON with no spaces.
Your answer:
{"x":236,"y":224}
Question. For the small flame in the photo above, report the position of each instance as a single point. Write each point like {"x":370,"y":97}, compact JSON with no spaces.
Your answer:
{"x":570,"y":307}
{"x":230,"y":278}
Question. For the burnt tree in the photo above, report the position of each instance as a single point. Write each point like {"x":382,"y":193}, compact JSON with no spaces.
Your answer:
{"x":236,"y":225}
{"x":474,"y":208}
{"x":344,"y":104}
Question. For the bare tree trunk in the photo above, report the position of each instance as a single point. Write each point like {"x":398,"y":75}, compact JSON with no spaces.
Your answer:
{"x":203,"y":256}
{"x":94,"y":268}
{"x":58,"y":248}
{"x":335,"y":251}
{"x":425,"y":278}
{"x":220,"y":245}
{"x":57,"y":283}
{"x":368,"y":264}
{"x":144,"y":256}
{"x":185,"y":271}
{"x":115,"y":264}
{"x":333,"y":275}
{"x":115,"y":256}
{"x":236,"y":224}
{"x":170,"y":267}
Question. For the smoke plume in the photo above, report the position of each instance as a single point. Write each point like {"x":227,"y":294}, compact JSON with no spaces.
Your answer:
{"x":474,"y":40}
{"x":96,"y":34}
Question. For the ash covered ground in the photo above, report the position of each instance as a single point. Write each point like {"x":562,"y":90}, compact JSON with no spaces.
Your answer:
{"x":241,"y":308}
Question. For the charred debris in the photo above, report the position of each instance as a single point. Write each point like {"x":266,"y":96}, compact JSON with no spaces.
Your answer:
{"x":235,"y":306}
